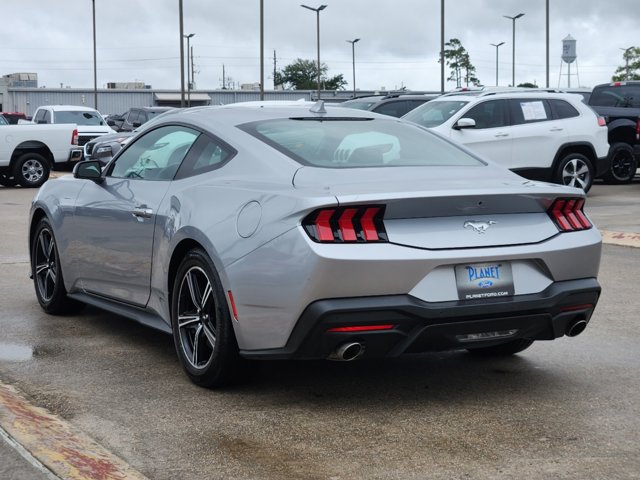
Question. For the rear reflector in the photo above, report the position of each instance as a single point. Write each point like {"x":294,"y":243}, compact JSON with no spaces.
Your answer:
{"x":362,"y":224}
{"x":568,"y":215}
{"x":361,"y":328}
{"x":638,"y":129}
{"x":572,"y":308}
{"x":233,"y":305}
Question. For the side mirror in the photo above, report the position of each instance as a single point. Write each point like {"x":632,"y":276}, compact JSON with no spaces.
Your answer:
{"x":88,"y":170}
{"x":136,"y":124}
{"x":111,"y":123}
{"x":465,"y":123}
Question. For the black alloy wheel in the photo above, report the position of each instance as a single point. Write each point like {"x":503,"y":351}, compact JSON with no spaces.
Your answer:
{"x":201,"y":322}
{"x":623,"y":164}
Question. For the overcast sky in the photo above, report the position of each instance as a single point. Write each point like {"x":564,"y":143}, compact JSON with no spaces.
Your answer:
{"x":138,"y":40}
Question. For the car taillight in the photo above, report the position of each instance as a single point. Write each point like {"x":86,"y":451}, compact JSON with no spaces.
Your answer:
{"x":568,"y":215}
{"x":361,"y":224}
{"x":638,"y":129}
{"x":74,"y":137}
{"x":601,"y":121}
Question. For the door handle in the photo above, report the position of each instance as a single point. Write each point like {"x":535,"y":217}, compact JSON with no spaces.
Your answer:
{"x":501,"y":134}
{"x":141,"y":213}
{"x":556,"y":129}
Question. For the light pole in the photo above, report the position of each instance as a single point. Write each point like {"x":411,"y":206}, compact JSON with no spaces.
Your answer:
{"x":181,"y":55}
{"x":317,"y":10}
{"x":626,"y":57}
{"x":441,"y":46}
{"x":189,"y":79}
{"x":513,"y":45}
{"x":262,"y":50}
{"x":353,"y":62}
{"x":95,"y":63}
{"x":497,"y":45}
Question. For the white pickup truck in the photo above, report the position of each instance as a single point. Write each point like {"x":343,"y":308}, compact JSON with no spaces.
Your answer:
{"x":28,"y":153}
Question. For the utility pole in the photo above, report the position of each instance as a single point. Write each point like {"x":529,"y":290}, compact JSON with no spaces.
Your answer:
{"x":181,"y":55}
{"x":261,"y":49}
{"x":95,"y":63}
{"x":193,"y":72}
{"x":224,"y":81}
{"x":275,"y":70}
{"x":547,"y":26}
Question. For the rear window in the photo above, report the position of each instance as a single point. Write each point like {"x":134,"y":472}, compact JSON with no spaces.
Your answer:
{"x":79,"y":117}
{"x":434,"y":113}
{"x":625,"y":96}
{"x":357,"y":142}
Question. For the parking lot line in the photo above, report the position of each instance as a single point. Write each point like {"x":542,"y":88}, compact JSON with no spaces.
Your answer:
{"x":55,"y":444}
{"x":625,"y":239}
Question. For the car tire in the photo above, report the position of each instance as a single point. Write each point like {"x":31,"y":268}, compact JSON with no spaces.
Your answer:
{"x":503,"y":349}
{"x":623,"y":164}
{"x":202,"y":329}
{"x":7,"y":181}
{"x":31,"y":170}
{"x":47,"y":273}
{"x":575,"y":170}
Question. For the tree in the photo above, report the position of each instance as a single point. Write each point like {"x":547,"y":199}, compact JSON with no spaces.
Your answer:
{"x":631,"y":57}
{"x":527,"y":85}
{"x":457,"y":58}
{"x":303,"y":75}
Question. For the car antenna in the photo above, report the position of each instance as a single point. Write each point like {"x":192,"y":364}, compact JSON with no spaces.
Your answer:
{"x":318,"y":107}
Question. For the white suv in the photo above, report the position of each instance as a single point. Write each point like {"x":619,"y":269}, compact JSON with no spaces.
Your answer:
{"x":90,"y":122}
{"x":542,"y":136}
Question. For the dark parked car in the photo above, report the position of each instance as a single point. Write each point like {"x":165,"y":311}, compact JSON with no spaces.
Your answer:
{"x":395,"y":105}
{"x":135,"y":117}
{"x":13,"y":117}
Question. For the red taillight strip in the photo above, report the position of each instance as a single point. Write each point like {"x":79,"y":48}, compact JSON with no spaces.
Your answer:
{"x":233,"y":305}
{"x":368,"y":225}
{"x":638,"y":129}
{"x":572,"y":308}
{"x":356,"y":224}
{"x":323,"y":225}
{"x":568,"y":215}
{"x":362,"y":328}
{"x":345,"y":223}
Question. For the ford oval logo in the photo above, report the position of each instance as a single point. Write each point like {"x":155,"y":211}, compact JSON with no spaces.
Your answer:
{"x":485,"y":284}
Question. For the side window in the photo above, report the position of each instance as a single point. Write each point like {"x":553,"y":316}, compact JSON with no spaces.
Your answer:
{"x":207,"y":154}
{"x":47,"y":116}
{"x":489,"y":114}
{"x":156,"y":155}
{"x":529,"y":110}
{"x":395,"y":109}
{"x":563,"y":109}
{"x":133,"y":117}
{"x":39,"y":116}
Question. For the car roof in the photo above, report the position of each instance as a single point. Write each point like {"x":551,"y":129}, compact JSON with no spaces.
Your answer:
{"x":57,"y":108}
{"x":508,"y":95}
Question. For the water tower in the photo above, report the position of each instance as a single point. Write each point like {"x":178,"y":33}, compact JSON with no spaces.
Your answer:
{"x":569,"y":56}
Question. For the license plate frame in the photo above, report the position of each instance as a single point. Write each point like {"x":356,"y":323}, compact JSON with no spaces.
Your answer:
{"x":485,"y":280}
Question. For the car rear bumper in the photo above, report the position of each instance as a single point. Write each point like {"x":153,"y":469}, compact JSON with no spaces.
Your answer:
{"x":419,"y":326}
{"x":602,"y":166}
{"x":75,"y":155}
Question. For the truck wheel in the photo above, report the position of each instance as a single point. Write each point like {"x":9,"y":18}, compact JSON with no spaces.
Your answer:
{"x":623,"y":164}
{"x":31,"y":170}
{"x":7,"y":181}
{"x":575,"y":170}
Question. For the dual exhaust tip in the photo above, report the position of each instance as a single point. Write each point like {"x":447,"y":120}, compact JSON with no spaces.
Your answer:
{"x":350,"y":351}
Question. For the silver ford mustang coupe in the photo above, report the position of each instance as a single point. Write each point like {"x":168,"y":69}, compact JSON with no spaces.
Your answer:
{"x":299,"y":231}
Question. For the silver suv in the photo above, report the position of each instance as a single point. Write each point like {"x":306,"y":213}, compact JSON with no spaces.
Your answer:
{"x":546,"y":136}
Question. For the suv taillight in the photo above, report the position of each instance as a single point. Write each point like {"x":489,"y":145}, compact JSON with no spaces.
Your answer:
{"x":74,"y":137}
{"x":358,"y":224}
{"x":568,"y":215}
{"x":602,"y":122}
{"x":638,"y":129}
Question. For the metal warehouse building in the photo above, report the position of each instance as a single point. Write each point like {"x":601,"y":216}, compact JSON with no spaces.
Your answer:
{"x":115,"y":101}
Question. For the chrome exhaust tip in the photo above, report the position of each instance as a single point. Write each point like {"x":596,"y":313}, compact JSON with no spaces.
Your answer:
{"x":576,"y":328}
{"x":347,"y":352}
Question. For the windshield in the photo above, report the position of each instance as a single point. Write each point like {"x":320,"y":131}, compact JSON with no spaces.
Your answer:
{"x":434,"y":113}
{"x":79,"y":117}
{"x":357,"y":142}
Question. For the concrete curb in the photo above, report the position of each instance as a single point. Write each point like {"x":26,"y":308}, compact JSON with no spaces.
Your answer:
{"x":55,"y":444}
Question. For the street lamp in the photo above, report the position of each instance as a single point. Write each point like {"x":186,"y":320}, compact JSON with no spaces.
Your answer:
{"x":626,"y":57}
{"x":317,"y":10}
{"x":181,"y":54}
{"x":498,"y":45}
{"x":189,"y":77}
{"x":95,"y":63}
{"x":513,"y":45}
{"x":353,"y":61}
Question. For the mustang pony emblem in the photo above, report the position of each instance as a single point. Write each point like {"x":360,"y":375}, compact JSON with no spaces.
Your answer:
{"x":479,"y":227}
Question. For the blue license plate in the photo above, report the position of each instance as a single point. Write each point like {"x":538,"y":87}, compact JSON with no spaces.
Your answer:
{"x":484,"y":280}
